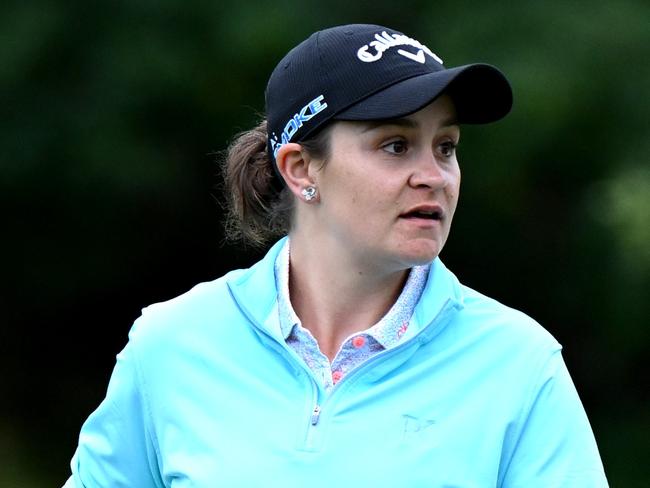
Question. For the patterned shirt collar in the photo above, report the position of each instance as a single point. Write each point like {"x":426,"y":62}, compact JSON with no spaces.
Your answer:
{"x":390,"y":328}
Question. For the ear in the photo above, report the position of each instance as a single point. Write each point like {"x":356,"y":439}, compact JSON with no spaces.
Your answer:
{"x":293,"y":164}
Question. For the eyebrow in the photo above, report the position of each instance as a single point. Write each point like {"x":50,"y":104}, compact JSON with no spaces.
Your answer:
{"x":402,"y":122}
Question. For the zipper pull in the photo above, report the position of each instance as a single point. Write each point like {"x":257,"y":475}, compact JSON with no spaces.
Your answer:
{"x":315,"y":415}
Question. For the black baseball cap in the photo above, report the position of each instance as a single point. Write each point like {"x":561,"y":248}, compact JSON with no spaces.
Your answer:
{"x":371,"y":72}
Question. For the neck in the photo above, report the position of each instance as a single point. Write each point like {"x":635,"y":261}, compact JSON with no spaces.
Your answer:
{"x":335,"y":296}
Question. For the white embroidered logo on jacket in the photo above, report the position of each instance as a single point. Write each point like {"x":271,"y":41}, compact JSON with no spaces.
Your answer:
{"x":385,"y":41}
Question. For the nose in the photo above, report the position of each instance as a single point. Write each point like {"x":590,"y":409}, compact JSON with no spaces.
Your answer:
{"x":428,"y":173}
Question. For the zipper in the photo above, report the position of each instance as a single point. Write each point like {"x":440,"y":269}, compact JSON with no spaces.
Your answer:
{"x":314,"y":418}
{"x":315,"y":415}
{"x":297,"y":364}
{"x":309,"y":441}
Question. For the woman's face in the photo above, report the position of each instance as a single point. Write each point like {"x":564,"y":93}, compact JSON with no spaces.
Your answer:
{"x":389,"y":189}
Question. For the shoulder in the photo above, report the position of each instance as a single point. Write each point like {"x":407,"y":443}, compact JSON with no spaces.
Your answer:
{"x":217,"y":312}
{"x":205,"y":312}
{"x":489,"y":309}
{"x":505,"y":328}
{"x":196,"y":302}
{"x":480,"y":316}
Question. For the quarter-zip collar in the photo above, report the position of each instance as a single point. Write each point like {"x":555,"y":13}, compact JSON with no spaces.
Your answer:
{"x":443,"y":294}
{"x":255,"y":292}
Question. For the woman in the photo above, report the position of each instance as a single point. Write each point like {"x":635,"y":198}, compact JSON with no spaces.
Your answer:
{"x":348,"y":356}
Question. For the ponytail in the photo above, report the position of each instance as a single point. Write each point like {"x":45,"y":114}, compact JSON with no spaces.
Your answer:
{"x":258,"y":208}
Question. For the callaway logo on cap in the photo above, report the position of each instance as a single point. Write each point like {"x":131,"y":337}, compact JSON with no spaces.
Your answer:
{"x":370,"y":72}
{"x":385,"y":41}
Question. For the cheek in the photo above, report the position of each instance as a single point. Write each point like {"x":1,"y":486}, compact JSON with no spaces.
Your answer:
{"x":372,"y":206}
{"x":453,"y":191}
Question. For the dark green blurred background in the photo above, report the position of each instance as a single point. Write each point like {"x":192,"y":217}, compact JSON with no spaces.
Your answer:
{"x":111,"y":113}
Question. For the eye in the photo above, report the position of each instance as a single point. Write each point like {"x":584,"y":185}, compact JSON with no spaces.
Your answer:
{"x":447,"y":148}
{"x":395,"y":147}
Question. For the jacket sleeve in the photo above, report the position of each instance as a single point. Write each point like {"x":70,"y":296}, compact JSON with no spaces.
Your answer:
{"x":556,"y":446}
{"x":116,"y":445}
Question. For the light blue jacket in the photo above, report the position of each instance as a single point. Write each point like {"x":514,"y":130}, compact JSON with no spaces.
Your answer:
{"x":207,"y":394}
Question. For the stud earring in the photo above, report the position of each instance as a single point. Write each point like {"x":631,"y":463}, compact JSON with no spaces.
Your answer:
{"x":309,"y":193}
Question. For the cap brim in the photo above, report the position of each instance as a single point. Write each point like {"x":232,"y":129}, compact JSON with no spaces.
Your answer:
{"x":480,"y":92}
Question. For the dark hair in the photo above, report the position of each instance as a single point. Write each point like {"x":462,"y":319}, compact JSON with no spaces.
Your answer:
{"x":258,"y":207}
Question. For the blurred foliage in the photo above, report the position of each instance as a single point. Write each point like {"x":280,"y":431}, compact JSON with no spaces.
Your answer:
{"x":112,"y":112}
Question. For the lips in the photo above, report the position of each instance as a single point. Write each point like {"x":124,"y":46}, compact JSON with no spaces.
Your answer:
{"x":426,"y":212}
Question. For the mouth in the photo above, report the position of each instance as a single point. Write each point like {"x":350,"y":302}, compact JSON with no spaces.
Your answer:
{"x":430,"y":213}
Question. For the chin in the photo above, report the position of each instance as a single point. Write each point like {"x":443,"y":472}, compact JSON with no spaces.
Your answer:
{"x":419,"y":253}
